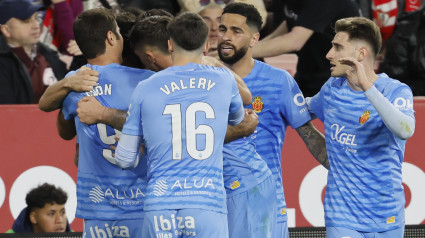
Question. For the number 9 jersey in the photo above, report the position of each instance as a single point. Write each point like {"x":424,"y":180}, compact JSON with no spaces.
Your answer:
{"x":104,"y":190}
{"x":182,"y":114}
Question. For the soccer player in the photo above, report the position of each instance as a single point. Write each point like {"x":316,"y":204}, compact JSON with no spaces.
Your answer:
{"x":109,"y":199}
{"x":367,"y":118}
{"x":277,"y":98}
{"x":181,"y":114}
{"x":250,"y":189}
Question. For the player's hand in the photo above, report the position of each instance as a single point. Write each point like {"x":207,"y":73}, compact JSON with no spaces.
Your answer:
{"x":84,"y":80}
{"x":89,"y":110}
{"x":249,"y":122}
{"x":356,"y":74}
{"x":73,"y":48}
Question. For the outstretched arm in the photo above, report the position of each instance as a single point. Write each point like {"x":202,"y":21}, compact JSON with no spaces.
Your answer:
{"x":285,"y":43}
{"x":90,"y":111}
{"x":82,"y":81}
{"x":315,"y":142}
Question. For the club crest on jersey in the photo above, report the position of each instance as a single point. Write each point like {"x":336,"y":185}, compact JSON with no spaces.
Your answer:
{"x":234,"y":185}
{"x":257,"y":104}
{"x":364,"y":117}
{"x":391,"y":220}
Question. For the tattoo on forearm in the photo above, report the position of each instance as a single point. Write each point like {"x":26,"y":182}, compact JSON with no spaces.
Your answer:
{"x":315,"y":142}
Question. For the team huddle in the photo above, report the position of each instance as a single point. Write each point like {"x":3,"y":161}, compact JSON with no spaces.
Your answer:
{"x":193,"y":158}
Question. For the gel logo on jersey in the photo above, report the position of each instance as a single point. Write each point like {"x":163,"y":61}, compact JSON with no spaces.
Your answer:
{"x":341,"y":137}
{"x":257,"y":104}
{"x":364,"y":117}
{"x":403,"y":104}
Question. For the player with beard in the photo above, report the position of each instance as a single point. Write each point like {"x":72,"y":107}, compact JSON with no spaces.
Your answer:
{"x":277,"y":99}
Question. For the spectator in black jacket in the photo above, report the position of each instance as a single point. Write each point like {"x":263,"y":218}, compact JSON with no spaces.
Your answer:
{"x":27,"y":66}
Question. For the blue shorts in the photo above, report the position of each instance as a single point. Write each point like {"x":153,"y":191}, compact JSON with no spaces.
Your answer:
{"x":281,"y":230}
{"x":340,"y":232}
{"x":112,"y":228}
{"x":251,"y":214}
{"x":188,"y":223}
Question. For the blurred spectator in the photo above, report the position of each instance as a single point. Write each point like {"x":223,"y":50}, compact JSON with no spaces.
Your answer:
{"x":195,"y":5}
{"x":307,"y":30}
{"x":405,"y":51}
{"x":211,"y":13}
{"x":57,"y":23}
{"x":45,"y":211}
{"x":27,"y":66}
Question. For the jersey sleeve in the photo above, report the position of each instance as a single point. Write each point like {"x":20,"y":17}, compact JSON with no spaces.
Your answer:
{"x":315,"y":103}
{"x":293,"y":107}
{"x":236,"y":111}
{"x":69,"y":106}
{"x":402,"y":99}
{"x":133,"y":124}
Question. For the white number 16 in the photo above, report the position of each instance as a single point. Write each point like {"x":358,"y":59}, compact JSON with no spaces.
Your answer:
{"x":191,"y":130}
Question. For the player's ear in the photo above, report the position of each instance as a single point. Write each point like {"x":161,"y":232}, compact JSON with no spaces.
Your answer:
{"x":32,"y":218}
{"x":170,"y":46}
{"x":110,"y":38}
{"x":206,"y":47}
{"x":363,"y":53}
{"x":254,"y":40}
{"x":5,"y":30}
{"x":150,"y":56}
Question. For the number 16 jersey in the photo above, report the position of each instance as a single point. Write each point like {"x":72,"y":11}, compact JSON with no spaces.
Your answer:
{"x":182,"y":114}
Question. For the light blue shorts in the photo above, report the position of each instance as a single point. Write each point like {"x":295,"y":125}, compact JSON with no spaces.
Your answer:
{"x":251,"y":214}
{"x":281,"y":230}
{"x":112,"y":228}
{"x":187,"y":223}
{"x":340,"y":232}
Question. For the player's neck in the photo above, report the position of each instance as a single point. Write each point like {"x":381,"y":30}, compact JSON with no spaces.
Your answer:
{"x":184,"y":59}
{"x":243,"y":66}
{"x":104,"y":60}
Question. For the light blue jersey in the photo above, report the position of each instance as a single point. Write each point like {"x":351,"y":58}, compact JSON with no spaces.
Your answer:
{"x":182,"y":114}
{"x":243,"y":167}
{"x":105,"y":191}
{"x":364,"y":190}
{"x":278,"y":102}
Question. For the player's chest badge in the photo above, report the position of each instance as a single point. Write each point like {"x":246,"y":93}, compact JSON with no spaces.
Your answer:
{"x":364,"y":117}
{"x":257,"y":104}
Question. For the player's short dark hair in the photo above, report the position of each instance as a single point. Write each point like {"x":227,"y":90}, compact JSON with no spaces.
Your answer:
{"x":46,"y":193}
{"x":154,"y":12}
{"x":253,"y":17}
{"x":90,"y":31}
{"x":151,"y":31}
{"x":189,"y":31}
{"x":361,"y":28}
